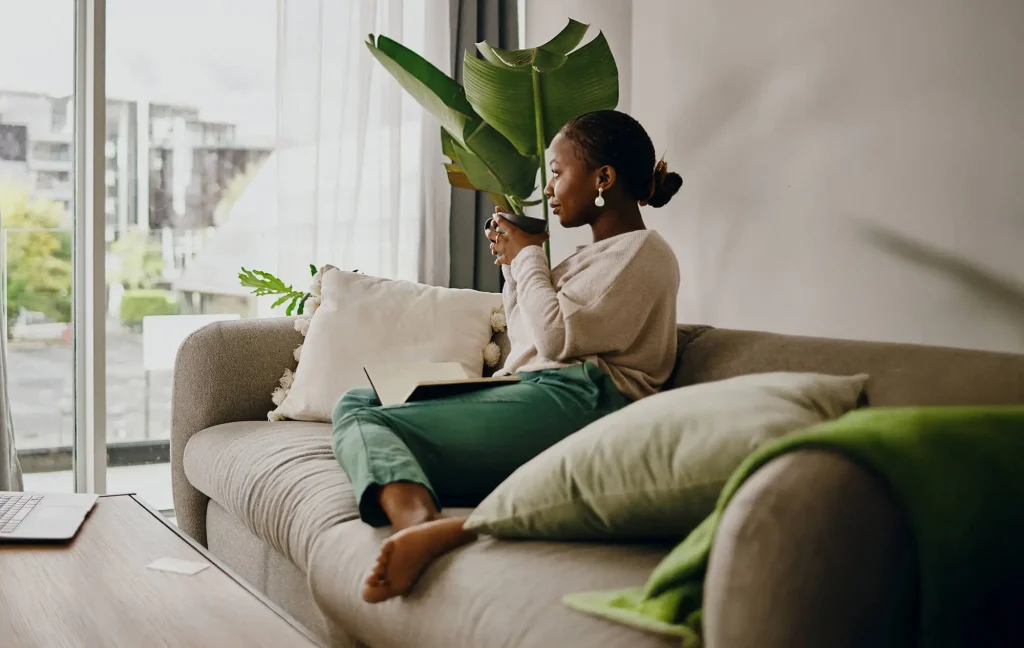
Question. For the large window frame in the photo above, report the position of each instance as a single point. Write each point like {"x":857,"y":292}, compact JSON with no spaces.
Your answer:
{"x":89,"y":288}
{"x":89,"y":275}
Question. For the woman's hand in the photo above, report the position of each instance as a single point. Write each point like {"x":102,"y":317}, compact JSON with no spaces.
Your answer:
{"x":507,"y":240}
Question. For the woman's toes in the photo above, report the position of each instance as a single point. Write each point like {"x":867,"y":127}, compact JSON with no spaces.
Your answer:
{"x":378,"y":574}
{"x":377,"y":593}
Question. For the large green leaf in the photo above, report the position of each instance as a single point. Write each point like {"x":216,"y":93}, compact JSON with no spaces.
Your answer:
{"x":551,"y":52}
{"x":447,"y":145}
{"x":483,"y":157}
{"x":490,"y":163}
{"x":512,"y":99}
{"x":503,"y":202}
{"x":517,"y":172}
{"x":441,"y":95}
{"x":588,"y":81}
{"x":457,"y":177}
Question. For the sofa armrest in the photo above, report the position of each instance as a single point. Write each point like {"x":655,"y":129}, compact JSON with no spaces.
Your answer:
{"x":224,"y":372}
{"x":813,"y":550}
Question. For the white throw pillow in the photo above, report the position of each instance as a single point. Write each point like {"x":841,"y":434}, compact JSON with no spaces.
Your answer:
{"x":655,"y":468}
{"x":362,"y":319}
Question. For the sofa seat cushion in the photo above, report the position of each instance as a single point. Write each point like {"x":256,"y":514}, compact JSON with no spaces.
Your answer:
{"x":490,"y":593}
{"x":280,"y":480}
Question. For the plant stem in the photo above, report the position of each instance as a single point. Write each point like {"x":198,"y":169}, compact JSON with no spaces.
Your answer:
{"x":538,"y":115}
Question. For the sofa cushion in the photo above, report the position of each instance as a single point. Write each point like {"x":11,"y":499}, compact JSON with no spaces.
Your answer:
{"x":490,"y":593}
{"x":280,"y":480}
{"x":364,"y":319}
{"x":654,"y":469}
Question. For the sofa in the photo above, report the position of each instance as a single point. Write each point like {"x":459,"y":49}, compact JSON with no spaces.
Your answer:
{"x":813,"y":551}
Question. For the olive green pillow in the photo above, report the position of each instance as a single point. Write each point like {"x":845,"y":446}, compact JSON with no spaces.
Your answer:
{"x":654,"y":469}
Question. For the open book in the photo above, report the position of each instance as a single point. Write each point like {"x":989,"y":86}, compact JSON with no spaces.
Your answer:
{"x":404,"y":382}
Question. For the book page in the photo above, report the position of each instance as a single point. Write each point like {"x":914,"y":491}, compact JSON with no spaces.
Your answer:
{"x":394,"y":382}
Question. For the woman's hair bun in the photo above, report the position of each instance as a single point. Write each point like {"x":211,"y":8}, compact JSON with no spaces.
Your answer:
{"x":665,"y":185}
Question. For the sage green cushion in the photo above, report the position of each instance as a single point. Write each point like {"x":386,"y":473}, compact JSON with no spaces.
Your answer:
{"x":655,"y":468}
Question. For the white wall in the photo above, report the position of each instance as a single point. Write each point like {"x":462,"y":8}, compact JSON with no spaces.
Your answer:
{"x":795,"y":122}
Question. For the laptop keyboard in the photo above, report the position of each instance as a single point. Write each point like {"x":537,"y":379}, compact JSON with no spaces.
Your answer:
{"x":14,"y":509}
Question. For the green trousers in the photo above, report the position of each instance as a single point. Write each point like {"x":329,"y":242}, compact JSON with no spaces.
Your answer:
{"x":461,"y":447}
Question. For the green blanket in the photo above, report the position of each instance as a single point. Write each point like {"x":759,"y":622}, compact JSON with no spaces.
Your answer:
{"x":957,"y":471}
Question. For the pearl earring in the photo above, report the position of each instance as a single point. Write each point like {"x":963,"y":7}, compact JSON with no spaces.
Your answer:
{"x":599,"y":201}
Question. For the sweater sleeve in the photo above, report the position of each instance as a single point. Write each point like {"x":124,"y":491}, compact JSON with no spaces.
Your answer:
{"x":603,"y":315}
{"x":508,"y":292}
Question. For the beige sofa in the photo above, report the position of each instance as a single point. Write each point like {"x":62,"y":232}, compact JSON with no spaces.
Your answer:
{"x":812,"y":552}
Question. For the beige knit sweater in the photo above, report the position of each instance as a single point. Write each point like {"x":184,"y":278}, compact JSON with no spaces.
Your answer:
{"x":612,"y":303}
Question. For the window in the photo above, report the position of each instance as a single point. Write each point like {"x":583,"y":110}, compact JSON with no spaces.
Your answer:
{"x":191,"y":125}
{"x":53,"y":180}
{"x":51,"y":151}
{"x":124,"y":246}
{"x":189,"y":122}
{"x":36,"y":193}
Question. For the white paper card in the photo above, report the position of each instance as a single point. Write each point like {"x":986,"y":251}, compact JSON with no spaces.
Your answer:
{"x":178,"y":566}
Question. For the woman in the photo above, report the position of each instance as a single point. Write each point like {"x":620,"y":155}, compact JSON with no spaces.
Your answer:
{"x":588,"y":337}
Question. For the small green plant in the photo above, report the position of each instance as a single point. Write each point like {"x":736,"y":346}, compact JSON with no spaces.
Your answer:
{"x":263,"y":283}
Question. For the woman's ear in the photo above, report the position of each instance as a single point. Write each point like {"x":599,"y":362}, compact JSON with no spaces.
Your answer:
{"x":606,"y":177}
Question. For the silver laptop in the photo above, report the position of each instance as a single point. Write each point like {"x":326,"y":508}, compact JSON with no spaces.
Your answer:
{"x":42,"y":516}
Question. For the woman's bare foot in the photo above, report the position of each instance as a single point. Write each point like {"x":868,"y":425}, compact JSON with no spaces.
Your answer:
{"x":405,"y":555}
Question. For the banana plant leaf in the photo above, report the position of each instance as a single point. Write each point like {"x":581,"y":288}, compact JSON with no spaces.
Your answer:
{"x":470,"y":169}
{"x":547,"y":56}
{"x":457,"y":177}
{"x":528,"y":95}
{"x":481,"y":158}
{"x":441,"y":95}
{"x":496,"y":129}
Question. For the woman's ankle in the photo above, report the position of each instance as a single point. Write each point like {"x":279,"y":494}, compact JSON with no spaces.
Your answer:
{"x":407,"y":504}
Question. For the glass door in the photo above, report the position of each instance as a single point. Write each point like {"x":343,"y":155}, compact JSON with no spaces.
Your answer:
{"x":132,"y":137}
{"x":37,"y":180}
{"x":190,"y":126}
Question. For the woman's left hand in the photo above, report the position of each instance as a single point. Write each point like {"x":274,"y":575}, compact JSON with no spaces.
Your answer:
{"x":507,"y":241}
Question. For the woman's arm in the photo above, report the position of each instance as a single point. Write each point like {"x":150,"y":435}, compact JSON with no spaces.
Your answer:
{"x":603,"y":307}
{"x":508,"y":293}
{"x":506,"y":241}
{"x":544,"y":315}
{"x":593,"y":314}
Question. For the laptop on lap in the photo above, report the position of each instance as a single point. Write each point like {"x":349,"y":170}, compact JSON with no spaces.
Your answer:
{"x":42,"y":516}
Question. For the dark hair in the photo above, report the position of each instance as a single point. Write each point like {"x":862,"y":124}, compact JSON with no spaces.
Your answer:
{"x":616,"y":139}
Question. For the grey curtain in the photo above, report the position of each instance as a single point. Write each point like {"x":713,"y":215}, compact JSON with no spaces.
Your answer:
{"x":494,"y":21}
{"x":10,"y":468}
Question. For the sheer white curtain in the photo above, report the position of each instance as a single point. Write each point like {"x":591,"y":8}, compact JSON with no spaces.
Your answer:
{"x":359,"y":180}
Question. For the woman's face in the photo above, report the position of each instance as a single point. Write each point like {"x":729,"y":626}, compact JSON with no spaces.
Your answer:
{"x":571,"y":187}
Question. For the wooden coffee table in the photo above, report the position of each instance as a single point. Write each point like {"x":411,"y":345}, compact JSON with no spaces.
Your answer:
{"x":97,"y":591}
